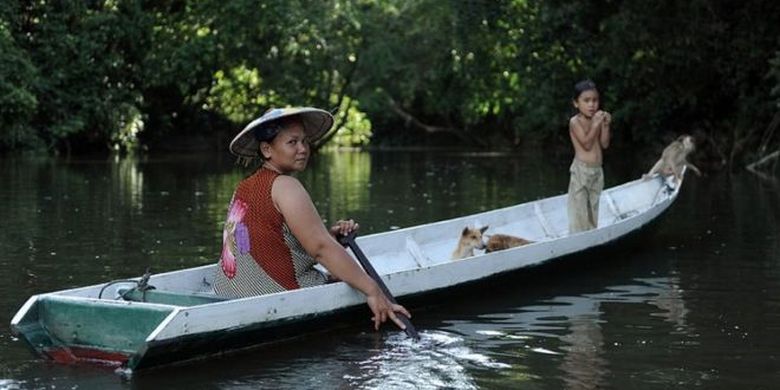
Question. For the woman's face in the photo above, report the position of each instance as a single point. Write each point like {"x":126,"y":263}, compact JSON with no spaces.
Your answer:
{"x":587,"y":103}
{"x":289,"y":151}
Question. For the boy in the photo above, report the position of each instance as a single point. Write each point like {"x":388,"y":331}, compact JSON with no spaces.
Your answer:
{"x":590,"y":135}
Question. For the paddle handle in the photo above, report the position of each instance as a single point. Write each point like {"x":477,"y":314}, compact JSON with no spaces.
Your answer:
{"x":349,"y":241}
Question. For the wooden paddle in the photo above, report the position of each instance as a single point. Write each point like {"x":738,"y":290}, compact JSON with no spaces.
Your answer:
{"x":349,"y":241}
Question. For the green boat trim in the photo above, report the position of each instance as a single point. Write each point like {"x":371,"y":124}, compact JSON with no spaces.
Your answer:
{"x":68,"y":329}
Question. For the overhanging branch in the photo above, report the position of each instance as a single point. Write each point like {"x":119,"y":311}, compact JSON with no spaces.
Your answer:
{"x":430,"y":129}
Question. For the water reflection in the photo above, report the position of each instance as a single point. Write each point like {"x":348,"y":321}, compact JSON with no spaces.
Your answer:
{"x":340,"y":183}
{"x":570,"y":330}
{"x":129,"y":179}
{"x":387,"y":190}
{"x":583,"y":364}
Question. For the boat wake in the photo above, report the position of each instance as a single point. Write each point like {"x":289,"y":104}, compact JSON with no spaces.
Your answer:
{"x":438,"y":360}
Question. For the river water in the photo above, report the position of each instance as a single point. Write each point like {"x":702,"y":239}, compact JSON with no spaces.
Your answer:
{"x":692,"y":302}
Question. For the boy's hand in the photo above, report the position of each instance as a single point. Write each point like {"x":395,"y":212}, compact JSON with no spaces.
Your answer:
{"x":598,"y":118}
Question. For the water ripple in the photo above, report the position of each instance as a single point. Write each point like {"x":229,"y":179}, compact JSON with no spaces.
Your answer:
{"x":438,"y":360}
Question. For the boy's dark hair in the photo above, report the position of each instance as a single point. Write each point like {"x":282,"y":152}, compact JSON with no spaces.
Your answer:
{"x":582,"y":86}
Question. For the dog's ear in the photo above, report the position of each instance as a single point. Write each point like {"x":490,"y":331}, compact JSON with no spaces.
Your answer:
{"x":465,"y":231}
{"x":482,"y":229}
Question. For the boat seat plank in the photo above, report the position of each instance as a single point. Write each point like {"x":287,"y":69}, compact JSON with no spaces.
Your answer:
{"x":612,"y":206}
{"x":555,"y":215}
{"x":548,"y":231}
{"x":417,"y":254}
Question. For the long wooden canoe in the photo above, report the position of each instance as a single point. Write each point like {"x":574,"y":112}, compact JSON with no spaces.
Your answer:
{"x":181,"y":318}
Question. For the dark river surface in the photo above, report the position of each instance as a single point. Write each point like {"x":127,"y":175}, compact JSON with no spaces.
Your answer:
{"x":692,"y":302}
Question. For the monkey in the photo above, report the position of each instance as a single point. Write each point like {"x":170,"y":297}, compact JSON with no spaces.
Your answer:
{"x":674,"y":158}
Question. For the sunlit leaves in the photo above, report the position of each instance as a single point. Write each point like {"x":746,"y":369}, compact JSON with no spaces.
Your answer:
{"x":354,"y":126}
{"x":239,"y":93}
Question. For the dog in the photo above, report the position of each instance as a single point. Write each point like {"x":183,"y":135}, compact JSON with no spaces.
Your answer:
{"x":499,"y":242}
{"x":674,"y":158}
{"x":472,"y":238}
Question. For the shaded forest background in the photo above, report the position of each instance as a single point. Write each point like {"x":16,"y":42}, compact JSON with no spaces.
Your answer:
{"x":119,"y":75}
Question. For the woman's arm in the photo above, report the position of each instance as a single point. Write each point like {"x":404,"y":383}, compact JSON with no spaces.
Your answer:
{"x":302,"y":218}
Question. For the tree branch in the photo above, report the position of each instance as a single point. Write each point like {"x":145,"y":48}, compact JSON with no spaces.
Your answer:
{"x":757,"y":164}
{"x":430,"y":129}
{"x":769,"y":133}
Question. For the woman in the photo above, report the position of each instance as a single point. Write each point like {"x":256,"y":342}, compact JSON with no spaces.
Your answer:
{"x":274,"y":236}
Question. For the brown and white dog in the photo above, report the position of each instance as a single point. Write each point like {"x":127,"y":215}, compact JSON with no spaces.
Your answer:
{"x":472,"y":238}
{"x":499,"y":242}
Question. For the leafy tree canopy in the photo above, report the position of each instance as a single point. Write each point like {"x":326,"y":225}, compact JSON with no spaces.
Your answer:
{"x":87,"y":75}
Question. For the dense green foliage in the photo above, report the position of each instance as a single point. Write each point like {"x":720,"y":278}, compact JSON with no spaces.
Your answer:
{"x":118,"y":73}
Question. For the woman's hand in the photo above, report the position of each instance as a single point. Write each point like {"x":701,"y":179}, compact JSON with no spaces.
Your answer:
{"x":383,"y":309}
{"x":343,"y":227}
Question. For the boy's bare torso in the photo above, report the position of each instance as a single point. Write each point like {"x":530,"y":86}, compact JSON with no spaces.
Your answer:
{"x":592,"y":156}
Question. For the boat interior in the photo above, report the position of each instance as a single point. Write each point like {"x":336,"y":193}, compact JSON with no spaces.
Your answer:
{"x":423,"y":246}
{"x":538,"y":221}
